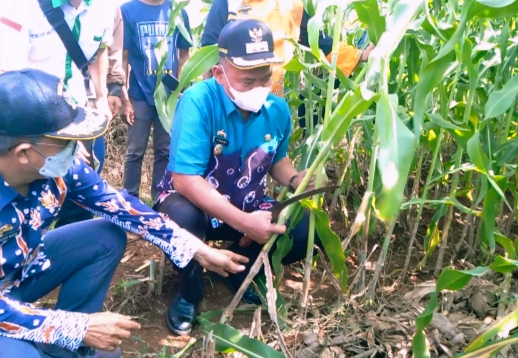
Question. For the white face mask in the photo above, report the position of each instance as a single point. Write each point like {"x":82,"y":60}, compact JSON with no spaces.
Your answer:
{"x":57,"y":166}
{"x":251,"y":100}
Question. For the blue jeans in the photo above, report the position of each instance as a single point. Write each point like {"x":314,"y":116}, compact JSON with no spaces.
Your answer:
{"x":146,"y":117}
{"x":70,"y":212}
{"x":83,"y":258}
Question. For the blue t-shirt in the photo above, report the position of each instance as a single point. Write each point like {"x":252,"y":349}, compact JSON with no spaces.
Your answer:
{"x":237,"y":165}
{"x":144,"y":26}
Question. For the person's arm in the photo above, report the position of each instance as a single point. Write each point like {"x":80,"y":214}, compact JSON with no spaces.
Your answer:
{"x":99,"y":68}
{"x":216,"y":21}
{"x":89,"y":191}
{"x":116,"y":75}
{"x":92,"y":193}
{"x":24,"y":321}
{"x":99,"y":72}
{"x":126,"y":107}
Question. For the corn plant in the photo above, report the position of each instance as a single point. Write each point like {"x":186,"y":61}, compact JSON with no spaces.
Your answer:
{"x":427,"y":124}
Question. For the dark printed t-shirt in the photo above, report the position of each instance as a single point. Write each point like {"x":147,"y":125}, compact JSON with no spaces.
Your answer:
{"x":144,"y":26}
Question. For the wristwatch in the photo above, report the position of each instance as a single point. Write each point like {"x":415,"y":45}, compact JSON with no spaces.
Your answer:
{"x":290,"y":185}
{"x":115,"y":89}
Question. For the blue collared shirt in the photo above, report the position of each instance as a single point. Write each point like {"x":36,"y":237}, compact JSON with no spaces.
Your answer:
{"x":23,"y":224}
{"x":210,"y":138}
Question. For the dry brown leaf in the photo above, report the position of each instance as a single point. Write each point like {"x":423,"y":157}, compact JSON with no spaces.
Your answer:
{"x":420,"y":291}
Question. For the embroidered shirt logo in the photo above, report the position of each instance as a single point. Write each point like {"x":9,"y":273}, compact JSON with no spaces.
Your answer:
{"x":256,"y":34}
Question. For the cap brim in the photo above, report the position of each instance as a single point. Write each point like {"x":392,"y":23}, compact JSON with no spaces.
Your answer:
{"x":255,"y":60}
{"x":88,"y":124}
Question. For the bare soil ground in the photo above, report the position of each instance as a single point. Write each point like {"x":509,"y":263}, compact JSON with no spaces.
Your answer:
{"x":336,"y":326}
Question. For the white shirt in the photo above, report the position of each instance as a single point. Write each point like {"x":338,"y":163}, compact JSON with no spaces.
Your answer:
{"x":27,"y":40}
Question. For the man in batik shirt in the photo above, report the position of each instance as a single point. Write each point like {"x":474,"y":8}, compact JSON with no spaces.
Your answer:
{"x":39,"y":129}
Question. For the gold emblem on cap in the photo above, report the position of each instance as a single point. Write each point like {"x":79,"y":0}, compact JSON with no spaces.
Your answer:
{"x":218,"y":149}
{"x":267,"y":137}
{"x":256,"y":34}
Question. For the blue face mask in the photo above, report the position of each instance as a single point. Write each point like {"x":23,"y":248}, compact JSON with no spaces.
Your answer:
{"x":57,"y":165}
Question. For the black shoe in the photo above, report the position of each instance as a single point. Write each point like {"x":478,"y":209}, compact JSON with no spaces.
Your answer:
{"x":181,"y":316}
{"x":250,"y":296}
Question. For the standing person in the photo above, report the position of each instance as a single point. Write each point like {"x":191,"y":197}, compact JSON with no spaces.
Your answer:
{"x":288,"y":20}
{"x":146,"y":22}
{"x":117,"y":83}
{"x":229,"y":132}
{"x":29,"y":41}
{"x":39,"y":129}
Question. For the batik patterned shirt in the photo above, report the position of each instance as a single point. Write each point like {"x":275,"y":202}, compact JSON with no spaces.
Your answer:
{"x":23,"y":224}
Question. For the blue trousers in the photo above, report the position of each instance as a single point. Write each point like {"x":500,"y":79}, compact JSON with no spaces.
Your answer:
{"x":191,"y":218}
{"x":83,"y":258}
{"x":70,"y":212}
{"x":146,"y":117}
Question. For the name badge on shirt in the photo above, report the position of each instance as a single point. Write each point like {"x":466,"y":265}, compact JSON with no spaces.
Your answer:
{"x":220,"y":140}
{"x":7,"y":232}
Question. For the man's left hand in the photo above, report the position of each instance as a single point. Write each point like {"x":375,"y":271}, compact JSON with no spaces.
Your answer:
{"x":220,"y":261}
{"x":101,"y":104}
{"x":115,"y":104}
{"x":311,"y":185}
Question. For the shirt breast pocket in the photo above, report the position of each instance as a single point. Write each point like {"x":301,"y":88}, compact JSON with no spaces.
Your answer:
{"x":91,"y":41}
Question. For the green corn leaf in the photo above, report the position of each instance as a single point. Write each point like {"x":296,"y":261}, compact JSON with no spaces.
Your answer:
{"x":429,"y":77}
{"x":489,"y":213}
{"x":500,"y":101}
{"x":396,"y":152}
{"x":433,"y":234}
{"x":484,"y":11}
{"x":506,"y":243}
{"x":437,"y":119}
{"x":419,"y":346}
{"x":503,"y":265}
{"x":368,"y":14}
{"x":332,"y":246}
{"x":229,"y":339}
{"x":490,"y":350}
{"x":495,"y":3}
{"x":351,"y":105}
{"x":200,"y":62}
{"x":455,"y":280}
{"x":285,"y":242}
{"x":501,"y":327}
{"x":474,"y":149}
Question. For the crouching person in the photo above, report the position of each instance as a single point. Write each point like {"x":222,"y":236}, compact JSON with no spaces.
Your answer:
{"x":39,"y":129}
{"x":229,"y":132}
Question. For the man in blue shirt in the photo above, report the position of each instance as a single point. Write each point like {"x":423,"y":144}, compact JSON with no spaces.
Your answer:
{"x":39,"y":129}
{"x":146,"y":22}
{"x":229,"y":132}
